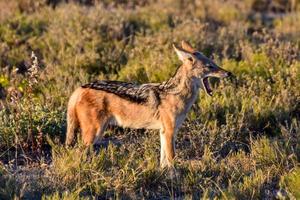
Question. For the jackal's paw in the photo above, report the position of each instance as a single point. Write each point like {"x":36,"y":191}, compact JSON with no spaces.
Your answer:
{"x":173,"y":173}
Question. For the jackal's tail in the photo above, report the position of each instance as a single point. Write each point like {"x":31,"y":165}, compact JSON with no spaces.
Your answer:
{"x":72,"y":120}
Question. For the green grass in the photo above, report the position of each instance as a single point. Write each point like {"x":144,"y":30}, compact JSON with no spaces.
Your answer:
{"x":241,"y":143}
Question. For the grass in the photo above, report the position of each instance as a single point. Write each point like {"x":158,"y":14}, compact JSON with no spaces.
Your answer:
{"x":241,"y":143}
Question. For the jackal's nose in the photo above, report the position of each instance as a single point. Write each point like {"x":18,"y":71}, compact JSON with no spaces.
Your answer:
{"x":228,"y":74}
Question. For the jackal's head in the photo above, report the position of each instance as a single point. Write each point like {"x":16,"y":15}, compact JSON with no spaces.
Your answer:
{"x":199,"y":65}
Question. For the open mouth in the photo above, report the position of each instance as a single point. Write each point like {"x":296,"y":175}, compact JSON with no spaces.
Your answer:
{"x":206,"y":86}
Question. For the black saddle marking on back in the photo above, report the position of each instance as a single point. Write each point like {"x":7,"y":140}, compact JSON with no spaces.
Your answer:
{"x":130,"y":91}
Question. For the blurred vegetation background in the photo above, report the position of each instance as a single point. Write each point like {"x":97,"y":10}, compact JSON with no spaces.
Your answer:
{"x":242,"y":143}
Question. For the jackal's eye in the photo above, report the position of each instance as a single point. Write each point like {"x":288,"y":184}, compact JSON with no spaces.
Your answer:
{"x":208,"y":65}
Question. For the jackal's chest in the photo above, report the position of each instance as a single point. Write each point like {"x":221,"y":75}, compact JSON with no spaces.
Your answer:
{"x":183,"y":107}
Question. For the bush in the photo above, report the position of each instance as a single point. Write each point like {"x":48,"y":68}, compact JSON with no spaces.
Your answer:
{"x":243,"y":142}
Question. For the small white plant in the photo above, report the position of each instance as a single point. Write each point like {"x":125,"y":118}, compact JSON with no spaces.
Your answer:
{"x":33,"y":70}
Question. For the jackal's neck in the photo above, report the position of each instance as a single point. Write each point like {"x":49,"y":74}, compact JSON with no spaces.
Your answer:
{"x":182,"y":83}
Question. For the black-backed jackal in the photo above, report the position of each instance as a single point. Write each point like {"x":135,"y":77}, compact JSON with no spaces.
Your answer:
{"x":162,"y":106}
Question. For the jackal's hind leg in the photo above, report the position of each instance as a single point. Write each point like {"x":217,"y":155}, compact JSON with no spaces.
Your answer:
{"x":92,"y":124}
{"x":89,"y":134}
{"x":99,"y":133}
{"x":92,"y":134}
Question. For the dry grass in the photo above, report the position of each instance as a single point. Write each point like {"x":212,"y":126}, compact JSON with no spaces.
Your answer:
{"x":242,"y":143}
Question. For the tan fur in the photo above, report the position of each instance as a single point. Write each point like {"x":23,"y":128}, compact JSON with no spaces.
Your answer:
{"x":92,"y":110}
{"x":186,"y":46}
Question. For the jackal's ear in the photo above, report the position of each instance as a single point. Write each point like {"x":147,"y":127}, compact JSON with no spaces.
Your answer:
{"x":183,"y":55}
{"x":187,"y":47}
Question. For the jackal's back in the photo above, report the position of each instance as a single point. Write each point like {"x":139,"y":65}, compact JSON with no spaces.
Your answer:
{"x":130,"y":91}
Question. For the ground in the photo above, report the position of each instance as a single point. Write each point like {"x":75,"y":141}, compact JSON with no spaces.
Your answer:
{"x":241,"y":143}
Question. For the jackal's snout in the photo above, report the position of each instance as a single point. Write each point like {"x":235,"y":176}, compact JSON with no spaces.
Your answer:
{"x":218,"y":73}
{"x":223,"y":73}
{"x":228,"y":74}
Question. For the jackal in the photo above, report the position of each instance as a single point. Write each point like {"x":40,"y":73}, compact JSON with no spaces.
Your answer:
{"x":162,"y":106}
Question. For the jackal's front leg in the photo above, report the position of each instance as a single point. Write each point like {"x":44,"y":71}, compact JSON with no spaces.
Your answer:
{"x":167,"y":149}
